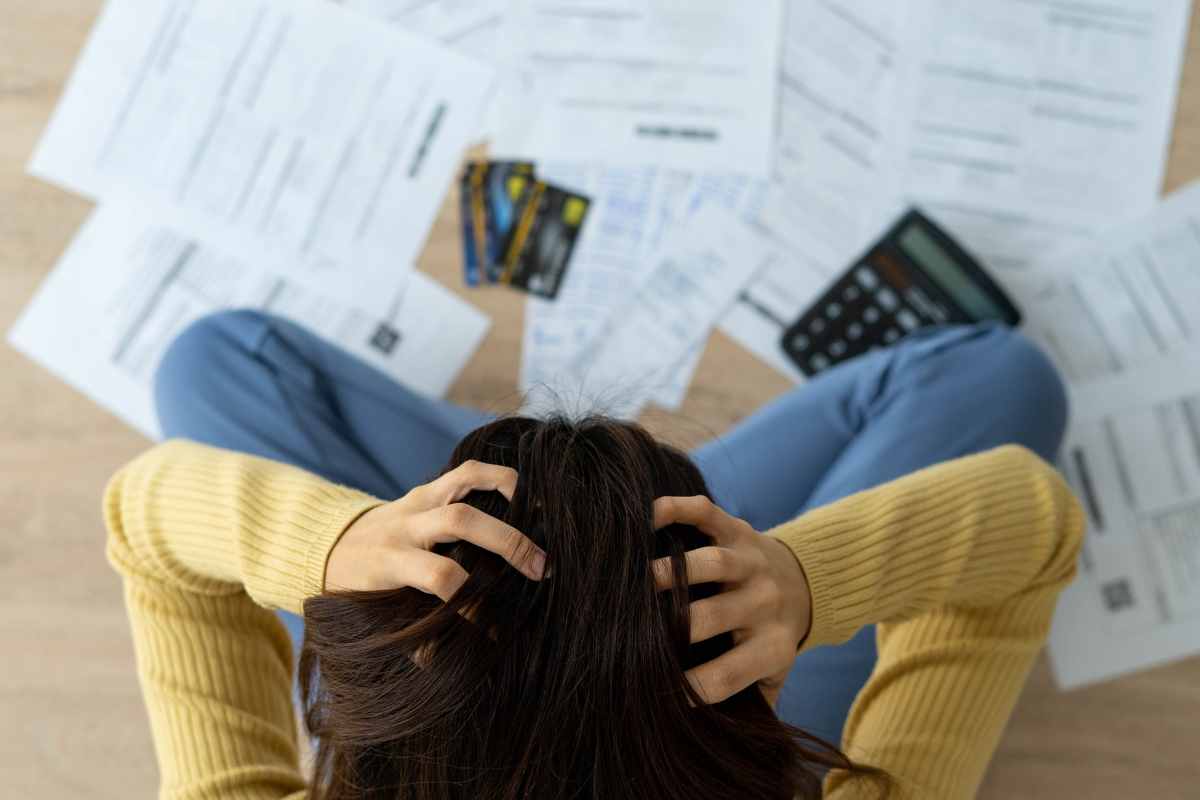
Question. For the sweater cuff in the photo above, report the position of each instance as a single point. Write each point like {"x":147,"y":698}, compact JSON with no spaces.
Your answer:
{"x":827,"y":626}
{"x":340,"y":513}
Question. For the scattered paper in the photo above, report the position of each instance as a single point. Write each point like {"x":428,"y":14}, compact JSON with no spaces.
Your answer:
{"x":306,"y":138}
{"x":696,"y":276}
{"x":471,"y":27}
{"x":468,"y":26}
{"x":678,"y":85}
{"x":1133,"y":457}
{"x":1126,"y":301}
{"x":126,"y":287}
{"x":1027,"y":127}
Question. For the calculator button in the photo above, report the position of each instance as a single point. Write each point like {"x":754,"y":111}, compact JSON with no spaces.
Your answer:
{"x":870,"y":315}
{"x":837,"y":348}
{"x":908,"y":319}
{"x":851,"y":293}
{"x":800,"y":342}
{"x":854,"y":331}
{"x":887,"y":298}
{"x":891,"y":335}
{"x":833,"y":310}
{"x":819,"y":363}
{"x":866,"y":278}
{"x":816,"y":326}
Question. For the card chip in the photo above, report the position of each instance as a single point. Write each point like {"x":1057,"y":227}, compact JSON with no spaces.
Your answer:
{"x":573,"y":211}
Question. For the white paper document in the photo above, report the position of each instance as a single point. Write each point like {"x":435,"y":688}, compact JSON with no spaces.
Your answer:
{"x":1025,"y":126}
{"x":471,"y":27}
{"x":125,"y":287}
{"x":696,"y":275}
{"x":305,"y":137}
{"x":1132,"y":298}
{"x":1132,"y":455}
{"x":677,"y":85}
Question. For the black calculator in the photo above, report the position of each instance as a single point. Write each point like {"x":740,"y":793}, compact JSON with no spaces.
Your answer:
{"x":915,"y":276}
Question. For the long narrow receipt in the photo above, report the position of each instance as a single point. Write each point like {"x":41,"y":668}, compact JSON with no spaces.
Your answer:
{"x":1133,"y":457}
{"x":697,"y":274}
{"x":837,"y":81}
{"x":125,"y":287}
{"x":302,"y":136}
{"x":681,"y":85}
{"x":1030,"y":125}
{"x":633,"y":208}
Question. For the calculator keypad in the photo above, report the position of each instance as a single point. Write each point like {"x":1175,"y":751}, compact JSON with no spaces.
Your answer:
{"x":861,"y":312}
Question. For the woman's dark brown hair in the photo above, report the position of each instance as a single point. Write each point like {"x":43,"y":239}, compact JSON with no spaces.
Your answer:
{"x":571,"y":687}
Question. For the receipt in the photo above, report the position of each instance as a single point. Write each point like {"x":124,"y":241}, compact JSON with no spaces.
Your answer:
{"x":306,"y":138}
{"x":127,"y":286}
{"x":696,"y":276}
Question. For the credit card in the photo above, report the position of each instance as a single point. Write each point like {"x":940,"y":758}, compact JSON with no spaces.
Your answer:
{"x":474,"y":226}
{"x":506,"y":183}
{"x":542,"y":239}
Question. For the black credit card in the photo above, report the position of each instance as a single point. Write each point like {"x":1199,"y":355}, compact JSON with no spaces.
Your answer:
{"x":543,"y":236}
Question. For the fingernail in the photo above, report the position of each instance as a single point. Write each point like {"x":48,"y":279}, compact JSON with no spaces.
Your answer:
{"x":539,"y":565}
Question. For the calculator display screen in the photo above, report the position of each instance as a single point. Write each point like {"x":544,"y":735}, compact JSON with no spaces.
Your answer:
{"x":946,"y":272}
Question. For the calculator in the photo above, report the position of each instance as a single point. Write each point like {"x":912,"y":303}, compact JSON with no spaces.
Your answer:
{"x":915,"y":276}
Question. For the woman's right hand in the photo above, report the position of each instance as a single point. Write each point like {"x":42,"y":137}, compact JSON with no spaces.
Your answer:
{"x":390,"y":546}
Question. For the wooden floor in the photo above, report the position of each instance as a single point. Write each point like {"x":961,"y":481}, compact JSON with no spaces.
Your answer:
{"x":69,"y":702}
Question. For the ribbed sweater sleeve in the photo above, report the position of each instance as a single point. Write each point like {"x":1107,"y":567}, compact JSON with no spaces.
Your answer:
{"x":960,"y":565}
{"x":206,"y":541}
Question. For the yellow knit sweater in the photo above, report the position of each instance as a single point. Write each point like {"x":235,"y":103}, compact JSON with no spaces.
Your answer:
{"x":960,"y":565}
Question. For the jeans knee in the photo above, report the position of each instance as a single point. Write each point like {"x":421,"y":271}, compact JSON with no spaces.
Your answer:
{"x":1025,"y":387}
{"x":191,"y":373}
{"x":1024,"y":368}
{"x":1000,"y":379}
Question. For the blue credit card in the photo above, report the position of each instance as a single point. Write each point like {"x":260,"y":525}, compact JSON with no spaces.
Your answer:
{"x":506,"y":185}
{"x":474,"y":224}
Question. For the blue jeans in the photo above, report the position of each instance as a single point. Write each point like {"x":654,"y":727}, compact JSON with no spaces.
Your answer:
{"x":251,"y":382}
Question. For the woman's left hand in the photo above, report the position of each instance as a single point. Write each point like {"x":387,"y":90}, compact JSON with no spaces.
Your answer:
{"x":764,"y":601}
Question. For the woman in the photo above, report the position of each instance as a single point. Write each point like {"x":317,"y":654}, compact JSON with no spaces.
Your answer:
{"x":519,"y":627}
